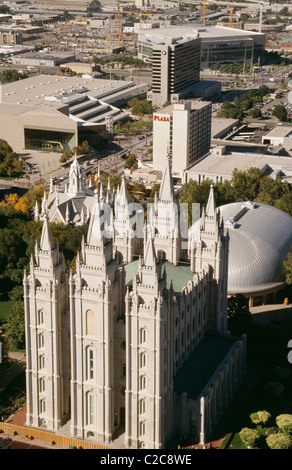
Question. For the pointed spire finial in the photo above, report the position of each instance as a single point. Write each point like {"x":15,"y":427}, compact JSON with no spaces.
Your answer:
{"x":211,"y":204}
{"x":95,"y":235}
{"x":166,"y":193}
{"x":149,"y":255}
{"x":46,"y":242}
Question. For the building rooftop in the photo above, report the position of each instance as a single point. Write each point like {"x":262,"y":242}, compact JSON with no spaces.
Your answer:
{"x":222,"y":165}
{"x":219,"y":125}
{"x":89,"y":100}
{"x":179,"y":275}
{"x":201,"y":365}
{"x":279,"y":131}
{"x":159,"y":35}
{"x":260,"y":239}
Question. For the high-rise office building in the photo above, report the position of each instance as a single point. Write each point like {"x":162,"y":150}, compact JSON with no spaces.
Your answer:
{"x":175,"y":68}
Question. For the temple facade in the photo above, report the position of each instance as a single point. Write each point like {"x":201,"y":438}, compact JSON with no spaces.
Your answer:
{"x":135,"y":341}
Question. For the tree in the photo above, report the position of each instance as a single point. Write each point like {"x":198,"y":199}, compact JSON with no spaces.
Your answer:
{"x":11,"y":75}
{"x":131,"y":162}
{"x":255,"y":113}
{"x":288,"y":267}
{"x":246,"y":184}
{"x":249,"y":436}
{"x":284,"y":423}
{"x":260,"y":417}
{"x":239,"y":316}
{"x":279,"y":441}
{"x":264,"y":90}
{"x":274,"y":389}
{"x":280,"y":113}
{"x":4,"y":350}
{"x":281,"y":373}
{"x":20,"y":204}
{"x":285,"y":203}
{"x":35,"y":195}
{"x":10,"y":164}
{"x":15,"y":329}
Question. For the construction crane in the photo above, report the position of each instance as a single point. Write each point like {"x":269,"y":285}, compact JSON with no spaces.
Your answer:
{"x":230,"y":15}
{"x":132,"y":13}
{"x":204,"y":12}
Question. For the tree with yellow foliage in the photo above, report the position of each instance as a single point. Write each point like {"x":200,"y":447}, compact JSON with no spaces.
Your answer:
{"x":20,"y":204}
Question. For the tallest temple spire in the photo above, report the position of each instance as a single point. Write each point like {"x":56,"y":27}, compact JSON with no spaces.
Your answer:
{"x":46,"y":242}
{"x":166,"y":193}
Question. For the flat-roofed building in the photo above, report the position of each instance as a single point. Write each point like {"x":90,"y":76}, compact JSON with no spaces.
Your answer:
{"x":218,"y":165}
{"x":53,"y":113}
{"x":10,"y":37}
{"x":175,"y":67}
{"x":219,"y":44}
{"x":182,"y":131}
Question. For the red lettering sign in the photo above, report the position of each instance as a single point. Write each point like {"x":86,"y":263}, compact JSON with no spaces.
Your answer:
{"x":160,"y":118}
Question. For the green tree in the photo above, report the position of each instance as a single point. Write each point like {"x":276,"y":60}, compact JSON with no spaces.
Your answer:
{"x":288,"y":267}
{"x":281,"y":373}
{"x":238,"y":314}
{"x":255,"y":113}
{"x":274,"y":389}
{"x":246,"y":184}
{"x":131,"y":162}
{"x":284,"y":423}
{"x":249,"y":436}
{"x":279,"y":441}
{"x":260,"y":417}
{"x":280,"y":113}
{"x":15,"y":329}
{"x":11,"y":75}
{"x":4,"y":351}
{"x":285,"y":203}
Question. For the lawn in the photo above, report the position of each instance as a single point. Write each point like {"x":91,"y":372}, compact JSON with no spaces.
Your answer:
{"x":4,"y":310}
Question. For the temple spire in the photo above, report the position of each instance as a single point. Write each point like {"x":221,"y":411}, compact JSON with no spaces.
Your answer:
{"x":46,"y":242}
{"x":211,"y":204}
{"x":123,"y":196}
{"x":166,"y":193}
{"x":149,"y":254}
{"x":95,"y":235}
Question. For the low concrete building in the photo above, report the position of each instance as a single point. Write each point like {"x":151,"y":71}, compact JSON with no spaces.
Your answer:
{"x":218,"y":165}
{"x":38,"y":59}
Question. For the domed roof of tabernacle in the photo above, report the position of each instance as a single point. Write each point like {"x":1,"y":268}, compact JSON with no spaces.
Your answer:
{"x":260,"y":239}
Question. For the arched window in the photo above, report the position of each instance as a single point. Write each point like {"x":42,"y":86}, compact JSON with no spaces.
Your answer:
{"x":40,"y":317}
{"x":90,"y":401}
{"x":42,"y":361}
{"x":142,"y":428}
{"x":42,"y":405}
{"x":142,"y":335}
{"x":90,"y":363}
{"x":90,"y":323}
{"x":41,"y":340}
{"x":142,"y":406}
{"x":42,"y":384}
{"x":142,"y":382}
{"x":142,"y":359}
